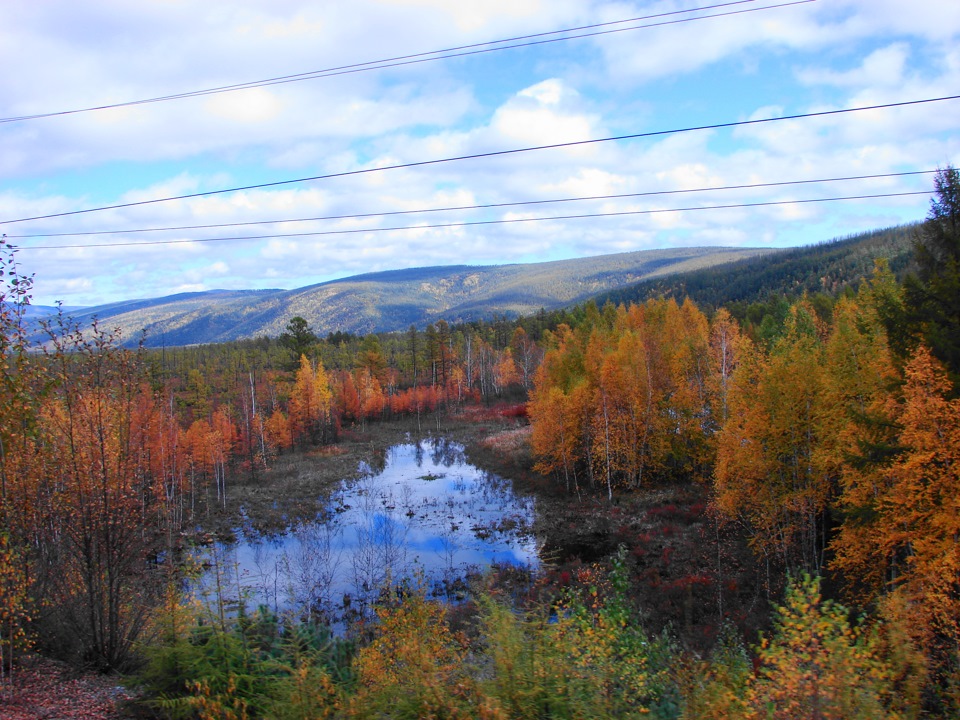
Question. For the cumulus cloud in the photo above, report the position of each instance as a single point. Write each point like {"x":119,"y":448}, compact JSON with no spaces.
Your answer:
{"x":845,"y":53}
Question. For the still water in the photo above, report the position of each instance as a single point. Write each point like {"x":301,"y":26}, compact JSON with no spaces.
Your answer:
{"x":424,"y":514}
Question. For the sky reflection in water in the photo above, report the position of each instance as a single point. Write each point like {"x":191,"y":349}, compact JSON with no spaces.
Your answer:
{"x":426,"y":510}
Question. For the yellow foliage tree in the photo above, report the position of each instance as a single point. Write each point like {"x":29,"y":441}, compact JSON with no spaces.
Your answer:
{"x":310,"y":402}
{"x":415,"y":666}
{"x":819,"y":666}
{"x":766,"y":471}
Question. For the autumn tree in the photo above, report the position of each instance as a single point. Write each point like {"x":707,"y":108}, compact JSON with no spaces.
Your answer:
{"x":224,"y":439}
{"x":20,"y":378}
{"x":856,"y":432}
{"x":505,"y":372}
{"x":725,"y":341}
{"x":14,"y":609}
{"x":369,"y":394}
{"x":689,"y":367}
{"x":557,"y":408}
{"x":902,"y":526}
{"x":414,"y":667}
{"x":310,"y":402}
{"x":277,"y":428}
{"x":818,"y":664}
{"x":200,"y":458}
{"x":347,"y":396}
{"x":104,"y":497}
{"x":635,"y":388}
{"x":766,"y":471}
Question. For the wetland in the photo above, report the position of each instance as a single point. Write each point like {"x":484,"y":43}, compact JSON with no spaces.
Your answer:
{"x":415,"y":511}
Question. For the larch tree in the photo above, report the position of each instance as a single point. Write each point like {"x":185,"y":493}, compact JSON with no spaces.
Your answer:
{"x":557,"y":408}
{"x":310,"y":402}
{"x":725,"y":340}
{"x":902,"y":537}
{"x":766,"y":471}
{"x":505,"y":372}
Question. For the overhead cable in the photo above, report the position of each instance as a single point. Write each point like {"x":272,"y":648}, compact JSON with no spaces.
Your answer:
{"x":430,"y":56}
{"x":486,"y":206}
{"x":502,"y":221}
{"x":495,"y":153}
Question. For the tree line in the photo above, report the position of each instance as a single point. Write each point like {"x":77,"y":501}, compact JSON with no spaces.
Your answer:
{"x":835,"y":444}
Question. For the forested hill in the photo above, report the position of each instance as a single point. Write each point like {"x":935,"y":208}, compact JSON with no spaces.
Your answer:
{"x":395,"y":300}
{"x":827,"y":267}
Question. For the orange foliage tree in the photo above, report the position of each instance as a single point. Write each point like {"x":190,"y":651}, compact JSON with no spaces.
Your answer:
{"x":556,"y":411}
{"x":106,"y":482}
{"x":310,"y":403}
{"x":902,"y":522}
{"x":277,"y":431}
{"x":505,"y":372}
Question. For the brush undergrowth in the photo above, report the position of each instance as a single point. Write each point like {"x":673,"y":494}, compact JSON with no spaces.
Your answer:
{"x":585,"y":654}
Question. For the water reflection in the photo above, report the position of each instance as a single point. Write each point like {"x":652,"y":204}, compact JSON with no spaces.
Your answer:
{"x":423,"y":511}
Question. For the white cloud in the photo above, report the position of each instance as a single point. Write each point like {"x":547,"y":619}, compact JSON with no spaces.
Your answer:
{"x":545,"y":113}
{"x":883,"y":67}
{"x":473,"y":15}
{"x":816,"y":56}
{"x":256,"y":105}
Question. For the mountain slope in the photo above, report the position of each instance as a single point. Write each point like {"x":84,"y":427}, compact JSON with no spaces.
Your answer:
{"x":394,"y":300}
{"x":828,"y":267}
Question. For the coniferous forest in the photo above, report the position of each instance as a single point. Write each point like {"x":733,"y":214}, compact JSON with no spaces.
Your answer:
{"x":776,"y":472}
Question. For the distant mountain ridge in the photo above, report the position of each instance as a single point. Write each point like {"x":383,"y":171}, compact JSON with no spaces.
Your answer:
{"x":395,"y":299}
{"x":827,"y":267}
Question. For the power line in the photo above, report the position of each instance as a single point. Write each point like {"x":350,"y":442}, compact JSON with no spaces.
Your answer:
{"x":487,"y":206}
{"x":475,"y":223}
{"x":496,"y":153}
{"x":430,"y":56}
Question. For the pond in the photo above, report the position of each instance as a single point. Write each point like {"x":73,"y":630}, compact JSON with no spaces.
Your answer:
{"x":423,"y":515}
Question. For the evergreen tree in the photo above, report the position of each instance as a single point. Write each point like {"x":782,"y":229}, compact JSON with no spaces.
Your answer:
{"x":298,"y":338}
{"x":933,"y":294}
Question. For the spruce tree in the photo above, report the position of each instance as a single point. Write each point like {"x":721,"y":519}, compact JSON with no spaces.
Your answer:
{"x":933,"y":293}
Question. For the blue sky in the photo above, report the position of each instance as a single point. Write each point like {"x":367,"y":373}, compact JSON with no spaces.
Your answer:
{"x":768,"y":62}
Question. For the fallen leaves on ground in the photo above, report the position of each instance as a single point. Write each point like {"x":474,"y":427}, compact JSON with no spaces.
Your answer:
{"x":45,"y":689}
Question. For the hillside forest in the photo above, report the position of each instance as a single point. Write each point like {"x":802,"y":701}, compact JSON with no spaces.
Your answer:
{"x":821,"y":429}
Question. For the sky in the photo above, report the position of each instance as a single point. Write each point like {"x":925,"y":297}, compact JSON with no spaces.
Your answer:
{"x":383,"y":137}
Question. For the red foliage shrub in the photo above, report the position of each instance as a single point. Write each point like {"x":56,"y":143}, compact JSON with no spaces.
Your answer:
{"x":514,"y":411}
